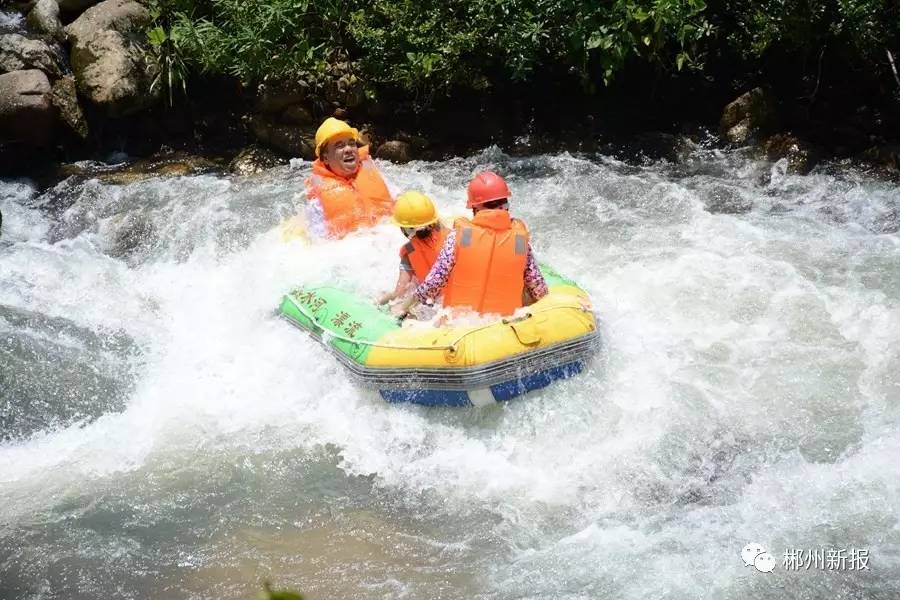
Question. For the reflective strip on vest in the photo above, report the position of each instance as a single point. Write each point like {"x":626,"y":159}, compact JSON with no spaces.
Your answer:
{"x":521,"y":243}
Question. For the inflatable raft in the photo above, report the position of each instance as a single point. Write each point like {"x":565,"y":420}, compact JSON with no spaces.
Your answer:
{"x":455,"y":365}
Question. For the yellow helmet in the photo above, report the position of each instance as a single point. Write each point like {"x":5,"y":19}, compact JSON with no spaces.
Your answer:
{"x":414,"y":209}
{"x":330,"y":128}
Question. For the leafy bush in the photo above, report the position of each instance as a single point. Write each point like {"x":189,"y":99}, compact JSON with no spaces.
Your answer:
{"x":427,"y":47}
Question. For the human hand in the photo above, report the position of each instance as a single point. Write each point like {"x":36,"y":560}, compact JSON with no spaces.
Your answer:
{"x":399,"y":309}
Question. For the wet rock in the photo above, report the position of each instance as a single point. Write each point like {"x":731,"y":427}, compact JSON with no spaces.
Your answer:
{"x":19,"y":53}
{"x":134,"y":233}
{"x":417,"y":142}
{"x":297,"y":115}
{"x":722,"y":199}
{"x":176,"y":165}
{"x":275,"y":98}
{"x":801,"y":156}
{"x":63,"y":96}
{"x":111,"y":69}
{"x":44,"y":18}
{"x":253,"y":160}
{"x":395,"y":151}
{"x":747,"y":116}
{"x":657,"y":145}
{"x":26,"y":113}
{"x":171,"y":165}
{"x":287,"y":138}
{"x":121,"y":16}
{"x":885,"y":159}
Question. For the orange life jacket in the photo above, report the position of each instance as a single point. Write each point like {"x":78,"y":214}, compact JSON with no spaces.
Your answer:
{"x":422,"y":253}
{"x":491,"y":253}
{"x":350,"y":203}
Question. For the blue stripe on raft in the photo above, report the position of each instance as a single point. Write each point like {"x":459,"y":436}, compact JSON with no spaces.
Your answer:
{"x":501,"y":391}
{"x":535,"y":381}
{"x":427,"y":397}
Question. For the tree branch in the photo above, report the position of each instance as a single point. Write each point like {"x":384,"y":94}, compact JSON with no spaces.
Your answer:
{"x":893,"y":66}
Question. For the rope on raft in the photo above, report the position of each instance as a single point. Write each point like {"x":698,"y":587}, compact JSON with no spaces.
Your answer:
{"x":327,"y":333}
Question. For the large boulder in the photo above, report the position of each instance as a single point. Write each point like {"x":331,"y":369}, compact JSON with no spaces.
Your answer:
{"x":64,"y":98}
{"x":747,"y":116}
{"x":122,"y":16}
{"x":44,"y":18}
{"x":395,"y":151}
{"x":253,"y":160}
{"x":112,"y":69}
{"x":276,"y":97}
{"x":287,"y":138}
{"x":19,"y":53}
{"x":297,"y":115}
{"x":26,"y":112}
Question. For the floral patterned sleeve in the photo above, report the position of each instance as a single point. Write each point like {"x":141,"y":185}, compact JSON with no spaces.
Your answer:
{"x":534,"y":281}
{"x":440,"y":271}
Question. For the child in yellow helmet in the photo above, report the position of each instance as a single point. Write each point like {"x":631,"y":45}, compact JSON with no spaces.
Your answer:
{"x":417,"y":218}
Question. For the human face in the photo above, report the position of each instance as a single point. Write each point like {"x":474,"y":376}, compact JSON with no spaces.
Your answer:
{"x":422,"y":232}
{"x":341,"y":155}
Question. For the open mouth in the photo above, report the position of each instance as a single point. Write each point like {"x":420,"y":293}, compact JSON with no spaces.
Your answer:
{"x":349,"y":159}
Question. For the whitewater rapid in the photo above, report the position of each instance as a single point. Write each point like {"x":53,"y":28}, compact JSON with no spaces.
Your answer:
{"x":164,"y":434}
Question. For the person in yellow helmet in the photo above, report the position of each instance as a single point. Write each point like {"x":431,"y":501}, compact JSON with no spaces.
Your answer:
{"x":345,"y":191}
{"x":417,"y":218}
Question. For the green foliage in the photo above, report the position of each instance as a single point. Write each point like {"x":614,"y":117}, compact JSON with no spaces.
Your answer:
{"x":860,"y":27}
{"x":253,"y":40}
{"x":167,"y":47}
{"x":426,"y":47}
{"x":667,"y":33}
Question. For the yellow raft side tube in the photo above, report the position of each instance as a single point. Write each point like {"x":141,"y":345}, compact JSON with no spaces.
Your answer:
{"x":562,"y":315}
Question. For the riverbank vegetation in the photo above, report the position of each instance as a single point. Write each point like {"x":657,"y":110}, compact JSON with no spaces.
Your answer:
{"x":429,"y":47}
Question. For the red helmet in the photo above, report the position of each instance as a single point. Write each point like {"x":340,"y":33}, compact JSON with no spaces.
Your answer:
{"x":485,"y":187}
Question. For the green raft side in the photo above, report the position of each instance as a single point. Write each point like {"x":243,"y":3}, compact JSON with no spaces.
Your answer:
{"x":341,"y":314}
{"x":553,"y":278}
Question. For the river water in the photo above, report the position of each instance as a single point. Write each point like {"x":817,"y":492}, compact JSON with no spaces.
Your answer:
{"x":164,"y":435}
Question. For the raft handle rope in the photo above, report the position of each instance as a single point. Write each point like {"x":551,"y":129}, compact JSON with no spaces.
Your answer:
{"x":451,"y":347}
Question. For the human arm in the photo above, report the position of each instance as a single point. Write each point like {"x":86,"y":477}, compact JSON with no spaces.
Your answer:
{"x":534,"y":280}
{"x":315,"y":218}
{"x":404,"y":281}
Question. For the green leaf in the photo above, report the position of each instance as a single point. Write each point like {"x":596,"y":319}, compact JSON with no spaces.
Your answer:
{"x":646,"y":40}
{"x":679,"y":60}
{"x":595,"y":41}
{"x":157,"y":36}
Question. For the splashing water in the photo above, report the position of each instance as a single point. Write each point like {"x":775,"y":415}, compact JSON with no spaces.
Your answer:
{"x":165,"y":435}
{"x":11,"y":22}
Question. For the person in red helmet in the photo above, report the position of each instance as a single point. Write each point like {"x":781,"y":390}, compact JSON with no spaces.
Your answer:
{"x":486,"y":263}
